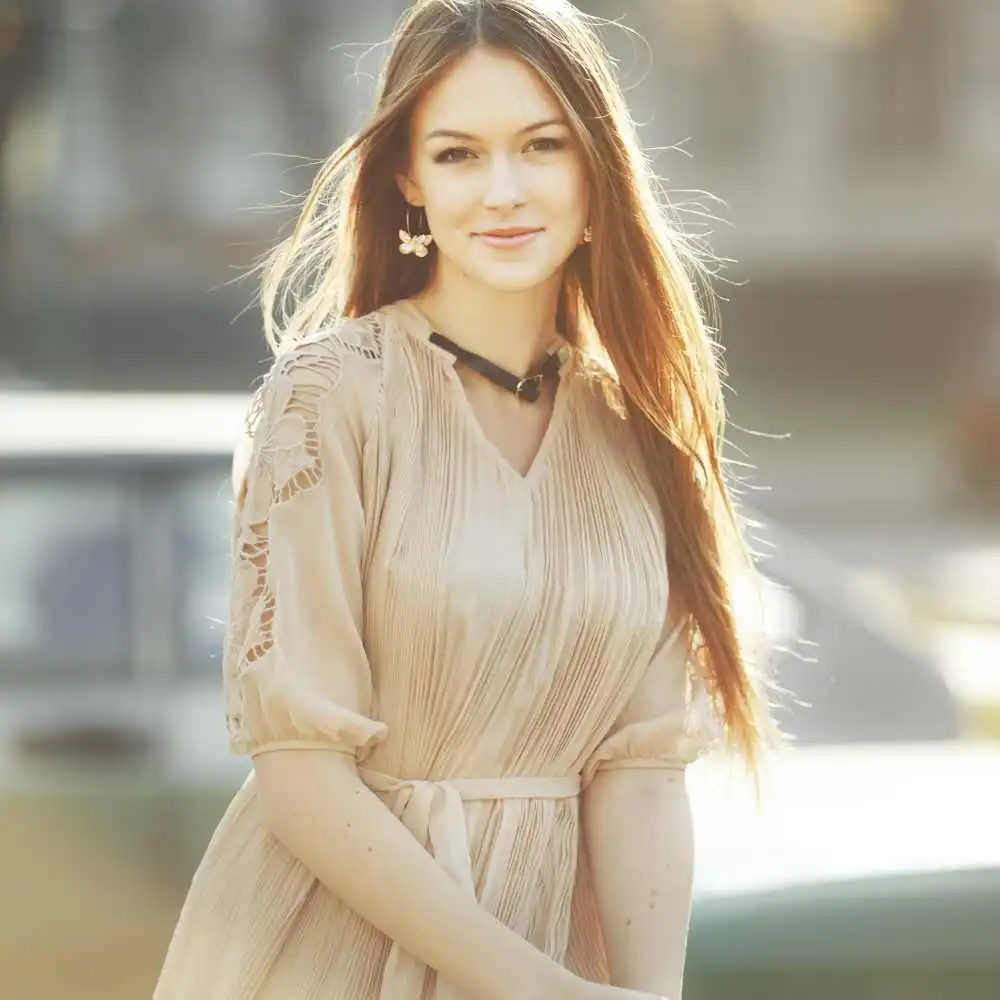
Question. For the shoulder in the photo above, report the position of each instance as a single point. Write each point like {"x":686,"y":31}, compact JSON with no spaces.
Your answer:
{"x":344,"y":358}
{"x":333,"y":376}
{"x":613,"y":425}
{"x":604,"y":388}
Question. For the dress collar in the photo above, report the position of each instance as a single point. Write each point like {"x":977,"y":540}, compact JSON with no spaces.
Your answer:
{"x":415,"y":322}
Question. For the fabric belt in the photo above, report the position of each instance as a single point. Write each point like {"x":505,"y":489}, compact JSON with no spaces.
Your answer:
{"x":433,"y":812}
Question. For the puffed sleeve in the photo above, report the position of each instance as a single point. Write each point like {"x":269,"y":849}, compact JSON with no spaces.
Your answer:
{"x":668,"y":722}
{"x":295,"y":670}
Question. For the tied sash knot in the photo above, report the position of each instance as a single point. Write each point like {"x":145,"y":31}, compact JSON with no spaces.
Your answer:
{"x":433,"y":811}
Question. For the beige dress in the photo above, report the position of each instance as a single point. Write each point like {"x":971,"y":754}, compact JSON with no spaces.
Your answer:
{"x":471,"y":634}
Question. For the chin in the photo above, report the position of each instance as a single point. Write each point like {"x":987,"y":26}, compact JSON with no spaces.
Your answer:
{"x":511,"y":282}
{"x":518,"y":277}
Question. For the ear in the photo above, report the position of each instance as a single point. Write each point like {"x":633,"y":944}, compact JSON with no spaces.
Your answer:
{"x":409,"y":190}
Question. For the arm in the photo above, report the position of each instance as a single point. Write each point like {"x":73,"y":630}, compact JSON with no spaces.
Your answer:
{"x":318,"y":807}
{"x":298,"y":683}
{"x":638,"y":826}
{"x":640,"y":845}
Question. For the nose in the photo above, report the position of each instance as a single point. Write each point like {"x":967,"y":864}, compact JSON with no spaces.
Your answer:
{"x":505,"y":186}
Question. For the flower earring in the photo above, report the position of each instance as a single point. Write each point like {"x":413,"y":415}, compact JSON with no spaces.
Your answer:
{"x":416,"y":244}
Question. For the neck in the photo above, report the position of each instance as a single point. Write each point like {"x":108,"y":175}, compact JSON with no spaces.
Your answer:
{"x":514,"y":330}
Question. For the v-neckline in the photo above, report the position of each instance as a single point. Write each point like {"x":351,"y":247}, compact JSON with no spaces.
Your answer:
{"x":540,"y":461}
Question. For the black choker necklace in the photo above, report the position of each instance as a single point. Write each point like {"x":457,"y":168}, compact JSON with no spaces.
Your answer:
{"x":528,"y":387}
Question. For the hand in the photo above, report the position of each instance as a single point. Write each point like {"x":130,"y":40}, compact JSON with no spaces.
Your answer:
{"x":620,"y":993}
{"x":584,"y":989}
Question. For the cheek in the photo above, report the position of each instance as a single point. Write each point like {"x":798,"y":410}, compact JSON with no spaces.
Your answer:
{"x":574,"y":191}
{"x":583,"y":196}
{"x":448,"y":197}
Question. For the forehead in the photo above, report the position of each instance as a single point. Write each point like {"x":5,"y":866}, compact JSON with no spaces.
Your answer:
{"x":486,"y":91}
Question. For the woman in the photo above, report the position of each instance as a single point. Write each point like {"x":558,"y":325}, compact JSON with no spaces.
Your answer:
{"x":490,"y":432}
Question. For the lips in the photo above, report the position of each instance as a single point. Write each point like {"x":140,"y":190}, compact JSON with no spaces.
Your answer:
{"x":511,"y":233}
{"x":513,"y":237}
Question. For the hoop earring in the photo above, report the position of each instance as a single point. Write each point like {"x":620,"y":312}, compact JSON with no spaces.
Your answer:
{"x":416,"y":244}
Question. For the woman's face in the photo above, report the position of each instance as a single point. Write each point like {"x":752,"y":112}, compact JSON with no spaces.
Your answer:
{"x":492,"y":154}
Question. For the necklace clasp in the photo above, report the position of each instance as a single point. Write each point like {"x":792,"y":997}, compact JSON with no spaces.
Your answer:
{"x":529,"y":386}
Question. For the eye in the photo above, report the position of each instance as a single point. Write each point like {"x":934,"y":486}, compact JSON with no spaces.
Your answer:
{"x":454,"y":154}
{"x":547,"y":144}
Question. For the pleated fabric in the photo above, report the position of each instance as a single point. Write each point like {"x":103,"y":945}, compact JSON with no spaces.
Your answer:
{"x":469,"y":633}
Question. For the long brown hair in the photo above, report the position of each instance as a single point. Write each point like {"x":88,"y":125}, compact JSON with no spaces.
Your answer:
{"x":629,"y":297}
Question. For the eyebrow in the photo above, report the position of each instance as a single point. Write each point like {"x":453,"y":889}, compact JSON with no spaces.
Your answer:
{"x":445,"y":133}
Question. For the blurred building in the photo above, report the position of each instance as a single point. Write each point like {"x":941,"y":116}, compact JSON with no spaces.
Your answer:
{"x":856,"y":147}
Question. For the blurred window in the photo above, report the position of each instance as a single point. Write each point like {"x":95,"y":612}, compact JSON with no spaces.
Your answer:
{"x":979,"y":74}
{"x":898,"y":84}
{"x":66,"y":601}
{"x":204,"y":514}
{"x":714,"y":74}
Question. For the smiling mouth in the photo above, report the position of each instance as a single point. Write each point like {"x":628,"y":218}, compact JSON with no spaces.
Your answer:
{"x":507,"y":234}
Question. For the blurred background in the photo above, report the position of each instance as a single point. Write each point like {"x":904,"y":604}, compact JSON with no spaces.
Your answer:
{"x":843,"y":155}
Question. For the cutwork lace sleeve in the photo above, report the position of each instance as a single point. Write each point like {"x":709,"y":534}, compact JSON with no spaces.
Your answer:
{"x":296,"y":673}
